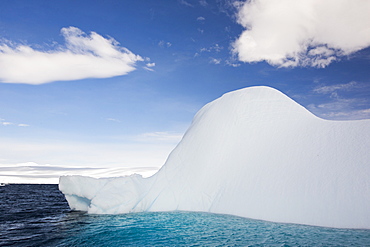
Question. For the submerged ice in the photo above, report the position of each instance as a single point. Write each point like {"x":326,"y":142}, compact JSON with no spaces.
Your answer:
{"x":253,"y":153}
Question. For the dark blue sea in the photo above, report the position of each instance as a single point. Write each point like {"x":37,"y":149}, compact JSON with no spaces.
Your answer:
{"x":38,"y":215}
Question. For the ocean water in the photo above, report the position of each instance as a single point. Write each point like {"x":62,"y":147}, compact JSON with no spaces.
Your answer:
{"x":38,"y":215}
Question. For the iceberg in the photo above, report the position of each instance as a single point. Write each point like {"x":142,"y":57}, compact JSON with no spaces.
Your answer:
{"x":253,"y":153}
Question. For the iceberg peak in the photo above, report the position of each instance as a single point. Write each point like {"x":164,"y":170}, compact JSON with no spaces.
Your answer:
{"x":253,"y":153}
{"x":259,"y":101}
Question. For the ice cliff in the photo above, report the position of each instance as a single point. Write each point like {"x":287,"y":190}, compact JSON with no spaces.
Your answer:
{"x":253,"y":153}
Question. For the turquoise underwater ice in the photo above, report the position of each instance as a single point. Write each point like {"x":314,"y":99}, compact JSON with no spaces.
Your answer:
{"x":200,"y":229}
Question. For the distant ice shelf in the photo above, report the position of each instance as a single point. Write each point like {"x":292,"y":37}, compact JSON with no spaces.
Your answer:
{"x":253,"y":153}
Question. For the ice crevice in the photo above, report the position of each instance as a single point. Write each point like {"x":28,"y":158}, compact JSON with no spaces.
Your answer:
{"x":254,"y":153}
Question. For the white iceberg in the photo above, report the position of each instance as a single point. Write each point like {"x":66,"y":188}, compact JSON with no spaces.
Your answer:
{"x":253,"y":153}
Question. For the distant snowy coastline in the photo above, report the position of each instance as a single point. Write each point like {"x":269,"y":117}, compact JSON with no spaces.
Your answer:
{"x":253,"y":153}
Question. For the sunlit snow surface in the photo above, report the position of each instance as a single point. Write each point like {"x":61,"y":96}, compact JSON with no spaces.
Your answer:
{"x":253,"y":153}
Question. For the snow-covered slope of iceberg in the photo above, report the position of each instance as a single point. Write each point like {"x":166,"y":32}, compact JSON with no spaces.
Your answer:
{"x":253,"y":153}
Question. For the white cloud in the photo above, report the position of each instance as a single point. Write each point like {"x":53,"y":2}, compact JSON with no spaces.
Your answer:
{"x":150,"y":64}
{"x":83,"y":56}
{"x":289,"y":33}
{"x":215,"y":61}
{"x":6,"y":123}
{"x":201,"y":18}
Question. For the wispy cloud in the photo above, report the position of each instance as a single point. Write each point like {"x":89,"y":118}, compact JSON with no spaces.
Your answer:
{"x":339,"y":107}
{"x":163,"y":137}
{"x":83,"y":56}
{"x":214,"y":48}
{"x":148,"y":69}
{"x":7,"y":123}
{"x":23,"y":125}
{"x":163,"y":44}
{"x":232,"y":63}
{"x":183,"y":2}
{"x":333,"y":88}
{"x":302,"y":33}
{"x":215,"y":61}
{"x":113,"y":120}
{"x":203,"y":3}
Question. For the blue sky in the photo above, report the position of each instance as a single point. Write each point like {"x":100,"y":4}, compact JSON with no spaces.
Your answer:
{"x":115,"y":84}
